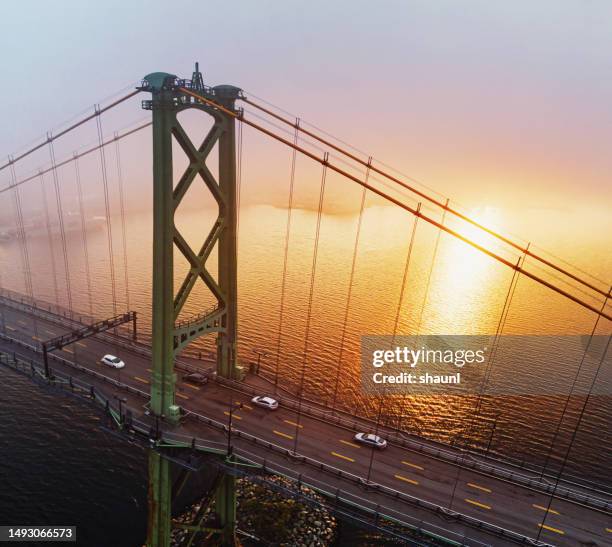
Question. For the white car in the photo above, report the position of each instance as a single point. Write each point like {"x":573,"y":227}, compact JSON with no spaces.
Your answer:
{"x":265,"y":402}
{"x":371,"y":440}
{"x":112,"y":361}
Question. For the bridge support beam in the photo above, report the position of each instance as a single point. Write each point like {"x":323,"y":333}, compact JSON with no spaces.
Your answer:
{"x":163,"y":377}
{"x":228,"y":269}
{"x":160,"y":501}
{"x":225,"y":507}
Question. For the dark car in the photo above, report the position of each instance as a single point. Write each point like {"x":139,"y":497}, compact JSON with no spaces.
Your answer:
{"x":195,"y":378}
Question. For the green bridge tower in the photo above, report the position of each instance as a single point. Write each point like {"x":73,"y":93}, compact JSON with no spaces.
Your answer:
{"x":169,"y":335}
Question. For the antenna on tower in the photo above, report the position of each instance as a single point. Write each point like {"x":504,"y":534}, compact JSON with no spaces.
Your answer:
{"x":197,"y":82}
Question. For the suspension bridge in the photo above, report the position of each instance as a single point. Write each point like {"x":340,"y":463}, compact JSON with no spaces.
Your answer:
{"x":421,"y":490}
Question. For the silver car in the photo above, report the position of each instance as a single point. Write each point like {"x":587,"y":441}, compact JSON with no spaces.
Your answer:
{"x":112,"y":361}
{"x":265,"y":402}
{"x":371,"y":440}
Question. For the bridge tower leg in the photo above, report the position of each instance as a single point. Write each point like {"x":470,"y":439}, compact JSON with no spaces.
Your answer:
{"x":228,"y":268}
{"x":168,"y":337}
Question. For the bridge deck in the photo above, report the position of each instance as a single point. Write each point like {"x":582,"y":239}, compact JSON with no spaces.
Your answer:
{"x":499,"y":502}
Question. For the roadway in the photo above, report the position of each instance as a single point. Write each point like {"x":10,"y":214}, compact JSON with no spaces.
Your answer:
{"x":492,"y":500}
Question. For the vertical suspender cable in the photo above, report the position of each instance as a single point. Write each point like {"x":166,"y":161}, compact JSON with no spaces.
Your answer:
{"x":350,"y":285}
{"x":313,"y":274}
{"x":286,"y":255}
{"x":21,"y":235}
{"x":569,"y":395}
{"x":574,"y":433}
{"x":315,"y":253}
{"x":431,"y":267}
{"x":49,"y":236}
{"x":498,"y":332}
{"x":405,"y":277}
{"x":109,"y":232}
{"x":60,"y":215}
{"x":123,"y":231}
{"x":77,"y":173}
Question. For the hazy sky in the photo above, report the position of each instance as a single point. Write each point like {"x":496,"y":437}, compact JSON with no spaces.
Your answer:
{"x":498,"y":103}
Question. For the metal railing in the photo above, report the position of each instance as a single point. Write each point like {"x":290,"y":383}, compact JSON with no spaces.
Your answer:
{"x":61,"y":380}
{"x":465,"y":459}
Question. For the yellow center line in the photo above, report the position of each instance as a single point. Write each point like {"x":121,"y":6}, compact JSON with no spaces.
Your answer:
{"x":414,"y":465}
{"x":10,"y":328}
{"x":349,"y":443}
{"x":282,"y":434}
{"x":233,"y":415}
{"x":294,"y":424}
{"x":545,"y":509}
{"x":477,"y":504}
{"x":180,"y":395}
{"x":49,"y":332}
{"x":550,"y":528}
{"x":478,"y":487}
{"x":67,"y":350}
{"x":609,"y":530}
{"x":244,"y":405}
{"x":192,"y":386}
{"x":342,"y":457}
{"x":406,"y":479}
{"x":150,"y":369}
{"x":83,"y":345}
{"x":35,"y":338}
{"x":141,"y":379}
{"x":21,"y":322}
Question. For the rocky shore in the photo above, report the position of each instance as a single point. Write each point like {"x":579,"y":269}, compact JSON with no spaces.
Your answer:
{"x":273,"y":518}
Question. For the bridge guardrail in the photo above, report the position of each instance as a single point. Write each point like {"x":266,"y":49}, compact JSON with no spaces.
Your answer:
{"x":396,"y":494}
{"x":23,"y":364}
{"x":462,"y":460}
{"x":457,"y":459}
{"x":144,"y":428}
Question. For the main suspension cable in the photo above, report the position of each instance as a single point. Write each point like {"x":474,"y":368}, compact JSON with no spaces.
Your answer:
{"x":69,"y":129}
{"x":76,"y":156}
{"x":429,"y":198}
{"x":402,"y":205}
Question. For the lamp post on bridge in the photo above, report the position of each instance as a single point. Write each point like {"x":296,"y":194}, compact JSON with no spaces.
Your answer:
{"x":298,"y":426}
{"x":257,"y":365}
{"x":229,"y":427}
{"x":493,"y":429}
{"x":380,"y":406}
{"x":120,"y":400}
